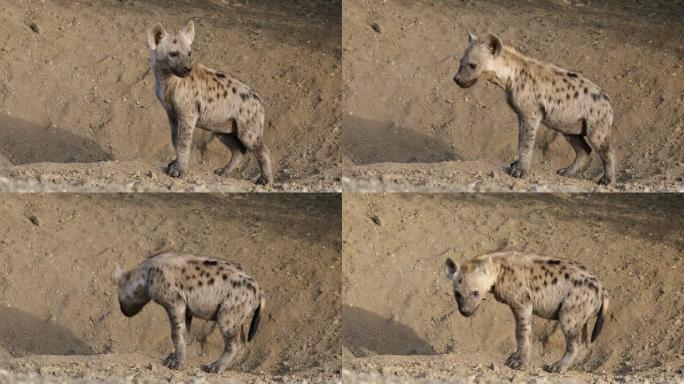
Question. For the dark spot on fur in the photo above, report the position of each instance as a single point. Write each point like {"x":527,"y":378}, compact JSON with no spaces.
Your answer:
{"x":236,"y":284}
{"x":553,"y":262}
{"x":221,"y":75}
{"x":567,"y":275}
{"x":225,"y":93}
{"x":576,"y":94}
{"x":225,"y":276}
{"x":554,"y":281}
{"x":211,"y":99}
{"x":585,"y":90}
{"x":210,"y":262}
{"x":244,"y":96}
{"x":198,"y":105}
{"x":211,"y":281}
{"x":536,"y":289}
{"x":595,"y":96}
{"x":572,"y":74}
{"x":565,"y":80}
{"x":240,"y":110}
{"x":197,"y":268}
{"x":233,"y":89}
{"x":199,"y":283}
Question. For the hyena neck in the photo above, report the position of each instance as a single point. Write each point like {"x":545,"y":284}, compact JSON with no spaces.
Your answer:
{"x":162,"y":75}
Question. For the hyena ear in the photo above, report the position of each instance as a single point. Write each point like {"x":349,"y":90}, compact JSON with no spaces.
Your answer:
{"x":450,"y":268}
{"x":117,"y":274}
{"x":189,"y":32}
{"x":155,"y":35}
{"x":471,"y":37}
{"x":494,"y":44}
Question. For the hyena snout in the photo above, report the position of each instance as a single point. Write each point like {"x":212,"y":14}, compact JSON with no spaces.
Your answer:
{"x":464,"y":80}
{"x":130,"y":310}
{"x":465,"y":308}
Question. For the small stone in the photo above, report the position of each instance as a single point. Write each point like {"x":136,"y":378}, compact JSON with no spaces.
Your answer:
{"x":34,"y":27}
{"x":376,"y":27}
{"x":34,"y":220}
{"x":376,"y":219}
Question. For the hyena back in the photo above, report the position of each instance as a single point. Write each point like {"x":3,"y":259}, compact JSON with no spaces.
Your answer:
{"x":551,"y":288}
{"x":197,"y":96}
{"x":189,"y":286}
{"x":540,"y":92}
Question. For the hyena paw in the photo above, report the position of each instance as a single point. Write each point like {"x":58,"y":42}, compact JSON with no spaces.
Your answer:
{"x":214,"y":367}
{"x":606,"y":180}
{"x":516,"y":361}
{"x":222,"y":172}
{"x":566,"y":172}
{"x":175,"y":170}
{"x":556,"y":368}
{"x":172,"y":361}
{"x":517,"y":170}
{"x":264,"y":180}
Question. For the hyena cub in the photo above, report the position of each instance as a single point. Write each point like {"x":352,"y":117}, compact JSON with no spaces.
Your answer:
{"x":540,"y":92}
{"x":189,"y":286}
{"x":554,"y":289}
{"x":197,"y":96}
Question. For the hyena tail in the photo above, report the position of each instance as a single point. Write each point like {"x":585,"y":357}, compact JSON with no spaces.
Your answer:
{"x":255,"y":320}
{"x":601,"y":317}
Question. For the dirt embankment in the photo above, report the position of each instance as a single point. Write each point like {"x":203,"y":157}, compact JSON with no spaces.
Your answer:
{"x":395,"y":246}
{"x":407,"y":126}
{"x":59,"y":313}
{"x":77,"y":104}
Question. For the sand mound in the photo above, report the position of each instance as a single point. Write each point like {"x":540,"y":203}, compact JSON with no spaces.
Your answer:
{"x":634,"y":249}
{"x":57,"y":298}
{"x":401,"y":105}
{"x":78,"y":90}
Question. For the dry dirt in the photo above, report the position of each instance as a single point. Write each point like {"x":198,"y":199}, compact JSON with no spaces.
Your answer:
{"x":59,"y":314}
{"x":408,"y":127}
{"x":77,"y":104}
{"x":400,"y":322}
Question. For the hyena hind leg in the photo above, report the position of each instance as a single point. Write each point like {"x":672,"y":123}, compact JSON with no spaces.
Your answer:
{"x":230,"y":329}
{"x":599,"y":138}
{"x":572,"y":329}
{"x":582,"y":153}
{"x":237,"y":153}
{"x":254,"y":143}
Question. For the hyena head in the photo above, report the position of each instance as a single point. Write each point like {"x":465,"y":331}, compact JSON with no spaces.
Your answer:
{"x":132,"y":291}
{"x":471,"y":281}
{"x":478,"y":59}
{"x":172,"y":52}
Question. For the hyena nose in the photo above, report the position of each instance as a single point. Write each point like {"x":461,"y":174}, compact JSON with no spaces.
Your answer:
{"x":188,"y":68}
{"x":456,"y":79}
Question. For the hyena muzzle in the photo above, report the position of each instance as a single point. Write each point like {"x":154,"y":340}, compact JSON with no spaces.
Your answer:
{"x":197,"y":96}
{"x":189,"y":286}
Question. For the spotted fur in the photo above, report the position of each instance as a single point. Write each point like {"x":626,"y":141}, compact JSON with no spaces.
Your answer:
{"x":540,"y":92}
{"x":551,"y":288}
{"x":198,"y":96}
{"x":190,"y":286}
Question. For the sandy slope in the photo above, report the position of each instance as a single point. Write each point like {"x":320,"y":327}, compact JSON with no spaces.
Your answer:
{"x":399,"y":315}
{"x":77,"y":103}
{"x":58,"y":308}
{"x":404,"y":116}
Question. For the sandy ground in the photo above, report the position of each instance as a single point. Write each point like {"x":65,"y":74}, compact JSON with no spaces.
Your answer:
{"x":59,"y":314}
{"x":77,"y":104}
{"x":394,"y":246}
{"x":407,"y":126}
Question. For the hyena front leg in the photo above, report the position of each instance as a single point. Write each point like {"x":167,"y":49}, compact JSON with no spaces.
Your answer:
{"x":527,"y":132}
{"x":177,"y":319}
{"x":173,"y":122}
{"x":179,"y":165}
{"x":523,"y":329}
{"x":237,"y":151}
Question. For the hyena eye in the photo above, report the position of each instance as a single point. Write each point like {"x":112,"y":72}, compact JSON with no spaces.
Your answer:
{"x":476,"y":293}
{"x":472,"y":66}
{"x":173,"y":54}
{"x":190,"y":54}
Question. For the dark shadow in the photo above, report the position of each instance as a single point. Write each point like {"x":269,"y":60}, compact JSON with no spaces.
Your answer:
{"x":364,"y":330}
{"x":23,"y":142}
{"x":24,"y":334}
{"x":368,"y":142}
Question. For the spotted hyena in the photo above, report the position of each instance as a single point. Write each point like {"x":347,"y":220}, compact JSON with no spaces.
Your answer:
{"x":550,"y":288}
{"x":197,"y":96}
{"x":540,"y":92}
{"x":189,"y":286}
